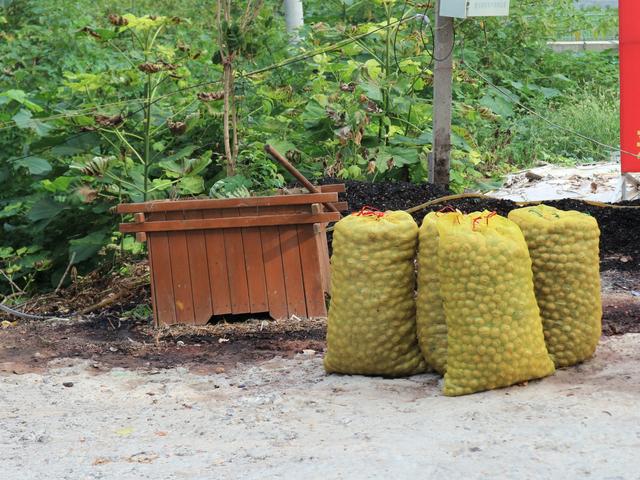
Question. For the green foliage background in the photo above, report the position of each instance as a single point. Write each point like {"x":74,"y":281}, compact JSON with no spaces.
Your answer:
{"x":73,"y":122}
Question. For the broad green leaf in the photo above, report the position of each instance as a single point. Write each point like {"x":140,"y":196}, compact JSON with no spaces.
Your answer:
{"x":21,"y":97}
{"x":180,"y":154}
{"x":74,"y":145}
{"x":35,"y":165}
{"x":191,"y":185}
{"x":11,"y":210}
{"x":498,"y":104}
{"x":373,"y":67}
{"x":550,"y":92}
{"x":44,"y":209}
{"x":282,"y":146}
{"x":86,"y":247}
{"x":24,"y":119}
{"x":59,"y":185}
{"x":160,"y":184}
{"x":425,"y":138}
{"x":372,"y":91}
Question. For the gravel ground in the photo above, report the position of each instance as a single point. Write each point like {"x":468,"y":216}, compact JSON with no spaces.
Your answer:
{"x":283,"y":418}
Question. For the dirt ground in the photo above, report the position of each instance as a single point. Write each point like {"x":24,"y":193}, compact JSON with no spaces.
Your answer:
{"x":100,"y":398}
{"x":108,"y":340}
{"x":284,"y":418}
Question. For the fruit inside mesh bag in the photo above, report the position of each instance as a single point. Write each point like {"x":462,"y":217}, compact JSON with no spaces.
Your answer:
{"x":494,"y":331}
{"x":372,"y":325}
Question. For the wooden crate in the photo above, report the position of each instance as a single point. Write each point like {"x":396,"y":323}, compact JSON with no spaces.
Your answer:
{"x":236,"y":256}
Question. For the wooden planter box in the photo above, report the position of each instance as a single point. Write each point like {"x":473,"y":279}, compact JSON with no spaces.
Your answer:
{"x":236,"y":256}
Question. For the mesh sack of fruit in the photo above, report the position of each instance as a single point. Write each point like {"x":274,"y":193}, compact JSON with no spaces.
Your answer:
{"x":430,"y":318}
{"x":494,"y":331}
{"x":372,"y":324}
{"x":564,"y":248}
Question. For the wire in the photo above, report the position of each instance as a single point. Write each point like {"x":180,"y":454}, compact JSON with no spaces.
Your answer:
{"x":395,"y":37}
{"x":515,"y":100}
{"x":453,"y":43}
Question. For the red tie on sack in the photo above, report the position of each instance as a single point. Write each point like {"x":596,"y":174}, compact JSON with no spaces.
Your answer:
{"x":486,"y":217}
{"x":368,"y":211}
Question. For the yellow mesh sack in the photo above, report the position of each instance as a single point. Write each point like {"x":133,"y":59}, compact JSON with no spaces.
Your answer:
{"x":430,"y":318}
{"x":564,"y":248}
{"x":494,"y":330}
{"x":372,"y":325}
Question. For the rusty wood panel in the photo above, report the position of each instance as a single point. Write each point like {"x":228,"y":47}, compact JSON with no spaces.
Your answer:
{"x":199,"y":268}
{"x":337,"y":188}
{"x":253,"y":258}
{"x":161,"y":276}
{"x":208,"y":204}
{"x":292,"y":270}
{"x":236,"y":267}
{"x":182,"y":287}
{"x":311,"y":272}
{"x":217,"y":264}
{"x":228,"y":223}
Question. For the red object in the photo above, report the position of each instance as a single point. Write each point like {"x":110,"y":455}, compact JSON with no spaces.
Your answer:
{"x":629,"y":11}
{"x":368,"y":211}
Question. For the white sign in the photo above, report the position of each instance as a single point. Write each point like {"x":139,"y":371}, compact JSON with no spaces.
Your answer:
{"x":474,"y":8}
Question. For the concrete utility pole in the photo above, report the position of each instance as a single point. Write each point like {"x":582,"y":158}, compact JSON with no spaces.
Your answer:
{"x":440,"y":159}
{"x":294,"y":16}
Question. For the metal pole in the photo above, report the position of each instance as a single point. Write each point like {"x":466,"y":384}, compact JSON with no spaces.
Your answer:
{"x":440,"y":161}
{"x":294,"y":17}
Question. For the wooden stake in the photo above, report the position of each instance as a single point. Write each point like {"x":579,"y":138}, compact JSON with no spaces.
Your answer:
{"x":440,"y":161}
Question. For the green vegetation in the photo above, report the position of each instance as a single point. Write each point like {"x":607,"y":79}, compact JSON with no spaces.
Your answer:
{"x":103,"y":102}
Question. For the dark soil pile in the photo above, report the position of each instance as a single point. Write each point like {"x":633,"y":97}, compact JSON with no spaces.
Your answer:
{"x":620,"y":241}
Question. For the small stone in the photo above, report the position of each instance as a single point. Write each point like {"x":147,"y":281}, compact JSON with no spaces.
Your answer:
{"x":67,"y":384}
{"x":223,"y":340}
{"x":309,"y":352}
{"x":113,"y":349}
{"x":219,"y":370}
{"x":180,"y":343}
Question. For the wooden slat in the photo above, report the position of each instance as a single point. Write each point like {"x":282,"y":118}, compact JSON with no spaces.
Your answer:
{"x":337,"y":188}
{"x":153,"y":290}
{"x":236,"y":267}
{"x":230,"y":223}
{"x":323,"y":255}
{"x":341,"y":206}
{"x":273,"y":266}
{"x":199,"y":268}
{"x":209,"y":204}
{"x":274,"y":271}
{"x":253,"y":258}
{"x":217,"y":264}
{"x":140,"y":236}
{"x":311,"y":272}
{"x":182,"y":287}
{"x":161,"y":275}
{"x":292,"y":270}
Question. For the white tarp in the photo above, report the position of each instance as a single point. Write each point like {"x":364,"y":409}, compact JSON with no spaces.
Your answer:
{"x":599,"y":182}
